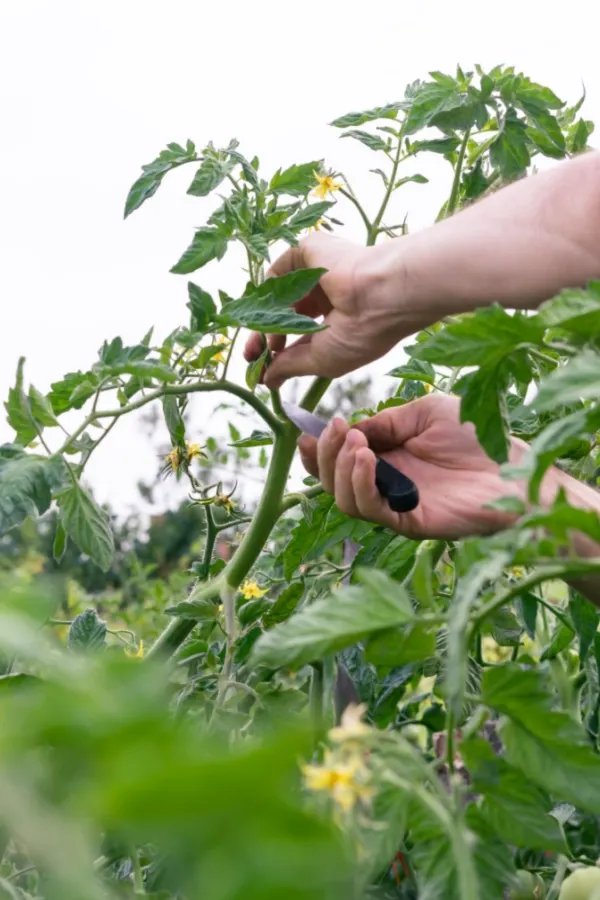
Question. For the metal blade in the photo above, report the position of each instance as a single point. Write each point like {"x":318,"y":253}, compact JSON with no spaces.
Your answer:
{"x":305,"y":421}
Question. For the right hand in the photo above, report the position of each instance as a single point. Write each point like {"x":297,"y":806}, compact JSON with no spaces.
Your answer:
{"x":360,"y":304}
{"x":427,"y":442}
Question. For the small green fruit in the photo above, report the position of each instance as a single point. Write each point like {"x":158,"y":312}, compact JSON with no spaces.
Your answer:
{"x":529,"y":887}
{"x":583,"y":884}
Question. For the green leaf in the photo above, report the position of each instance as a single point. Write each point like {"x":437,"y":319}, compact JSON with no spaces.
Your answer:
{"x":438,"y":145}
{"x":418,"y":179}
{"x":390,"y":111}
{"x":153,"y":173}
{"x":266,"y":308}
{"x":308,"y":215}
{"x":578,"y":380}
{"x":585,"y":617}
{"x":255,"y":369}
{"x":536,"y":97}
{"x":19,"y":414}
{"x":415,"y":370}
{"x":211,"y":173}
{"x":24,"y":489}
{"x":518,"y":811}
{"x":574,"y":310}
{"x":87,"y":525}
{"x":73,"y":391}
{"x":578,"y":137}
{"x":173,"y":419}
{"x":560,"y":640}
{"x":256,"y":439}
{"x":401,"y":646}
{"x":208,"y":244}
{"x":547,"y":135}
{"x":483,"y":573}
{"x":430,"y":99}
{"x":509,"y":152}
{"x":202,"y":307}
{"x":526,"y":607}
{"x":87,"y":632}
{"x":142,"y":368}
{"x":372,"y":141}
{"x":295,"y":181}
{"x":206,"y":354}
{"x":483,"y":402}
{"x":546,"y":744}
{"x":335,"y":622}
{"x":479,"y":339}
{"x":284,"y":605}
{"x":60,"y":542}
{"x":41,"y":408}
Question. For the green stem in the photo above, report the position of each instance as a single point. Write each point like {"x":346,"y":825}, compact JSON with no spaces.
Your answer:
{"x":291,"y":500}
{"x":315,"y":393}
{"x":252,"y":543}
{"x":198,"y":387}
{"x":450,"y":742}
{"x":211,"y":536}
{"x":454,"y":193}
{"x":316,"y":699}
{"x":138,"y":877}
{"x":230,"y":351}
{"x":372,"y":234}
{"x":349,"y":194}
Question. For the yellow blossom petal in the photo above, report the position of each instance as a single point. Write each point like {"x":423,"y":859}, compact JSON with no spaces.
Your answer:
{"x":351,"y":724}
{"x":251,"y":591}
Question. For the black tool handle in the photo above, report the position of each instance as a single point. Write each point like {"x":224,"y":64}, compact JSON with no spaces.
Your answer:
{"x":400,"y":492}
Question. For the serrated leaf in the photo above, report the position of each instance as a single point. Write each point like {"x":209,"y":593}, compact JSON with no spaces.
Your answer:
{"x":41,"y":408}
{"x":518,"y":811}
{"x":59,"y":545}
{"x":389,"y":111}
{"x":255,"y":369}
{"x":483,"y":402}
{"x":372,"y":141}
{"x":173,"y":419}
{"x":284,"y":605}
{"x":18,"y":411}
{"x":308,"y":215}
{"x":256,"y":439}
{"x":201,"y":305}
{"x":431,"y":98}
{"x":545,"y":743}
{"x":87,"y":525}
{"x":578,"y":380}
{"x":24,"y":489}
{"x":468,"y":589}
{"x":585,"y":617}
{"x":401,"y":646}
{"x":208,"y":244}
{"x":73,"y":391}
{"x":153,"y":173}
{"x":295,"y":180}
{"x":211,"y":173}
{"x":339,"y":621}
{"x":266,"y":308}
{"x":438,"y":145}
{"x":509,"y":152}
{"x":478,"y":339}
{"x":575,"y":310}
{"x":87,"y":633}
{"x":415,"y":370}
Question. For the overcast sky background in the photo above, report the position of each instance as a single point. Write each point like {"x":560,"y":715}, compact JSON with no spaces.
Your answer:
{"x":90,"y":91}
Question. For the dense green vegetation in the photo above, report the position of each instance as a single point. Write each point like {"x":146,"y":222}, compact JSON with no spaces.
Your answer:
{"x":177,"y":737}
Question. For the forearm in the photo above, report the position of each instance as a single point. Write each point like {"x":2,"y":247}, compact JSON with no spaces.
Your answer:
{"x":517,"y":247}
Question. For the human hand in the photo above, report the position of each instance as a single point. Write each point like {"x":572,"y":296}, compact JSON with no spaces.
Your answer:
{"x":426,"y":440}
{"x":361,"y":300}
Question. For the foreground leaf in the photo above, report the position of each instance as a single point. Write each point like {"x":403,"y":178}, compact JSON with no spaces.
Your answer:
{"x":335,"y":622}
{"x":24,"y":489}
{"x":87,"y":525}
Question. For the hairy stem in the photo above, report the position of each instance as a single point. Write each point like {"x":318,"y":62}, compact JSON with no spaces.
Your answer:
{"x":374,"y":230}
{"x":454,"y":193}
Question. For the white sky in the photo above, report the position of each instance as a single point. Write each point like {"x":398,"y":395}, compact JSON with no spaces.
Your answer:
{"x":90,"y":91}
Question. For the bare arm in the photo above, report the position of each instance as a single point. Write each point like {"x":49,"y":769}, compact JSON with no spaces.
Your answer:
{"x":517,"y":247}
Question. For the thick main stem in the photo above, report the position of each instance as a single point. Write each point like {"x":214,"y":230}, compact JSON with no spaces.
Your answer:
{"x":252,"y":543}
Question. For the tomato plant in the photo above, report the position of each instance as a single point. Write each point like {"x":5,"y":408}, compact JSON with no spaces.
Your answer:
{"x":474,"y":752}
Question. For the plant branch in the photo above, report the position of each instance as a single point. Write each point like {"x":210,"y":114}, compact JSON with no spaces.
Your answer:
{"x":454,"y":193}
{"x":291,"y":500}
{"x":372,"y":235}
{"x":349,"y":195}
{"x":197,"y":387}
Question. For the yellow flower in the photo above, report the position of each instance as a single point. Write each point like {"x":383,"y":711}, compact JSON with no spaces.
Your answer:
{"x":136,"y":654}
{"x":193,"y":451}
{"x":325,"y":185}
{"x":251,"y":591}
{"x":351,"y":724}
{"x":317,"y":225}
{"x":428,"y":387}
{"x":517,"y":571}
{"x":180,"y":455}
{"x":343,"y":780}
{"x":226,"y":503}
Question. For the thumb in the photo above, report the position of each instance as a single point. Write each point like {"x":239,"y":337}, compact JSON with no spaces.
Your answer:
{"x":295,"y":360}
